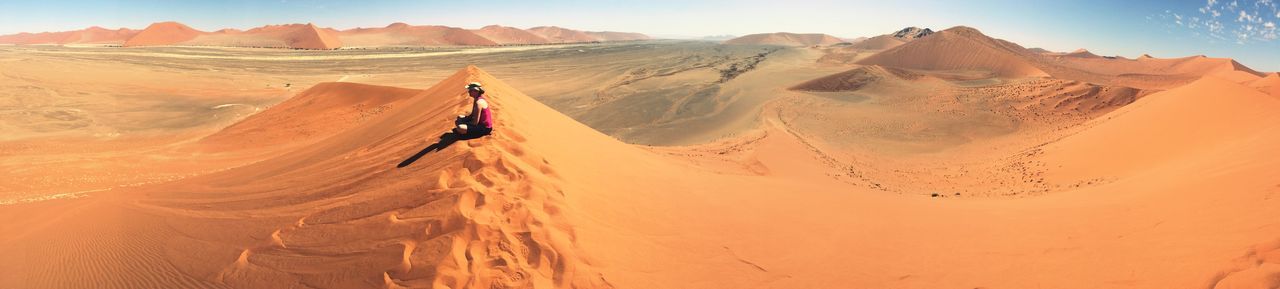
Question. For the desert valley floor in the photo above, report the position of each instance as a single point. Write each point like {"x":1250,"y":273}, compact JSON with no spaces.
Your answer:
{"x":645,"y":164}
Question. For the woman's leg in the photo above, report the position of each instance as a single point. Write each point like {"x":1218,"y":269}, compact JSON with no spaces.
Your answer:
{"x":461,"y":129}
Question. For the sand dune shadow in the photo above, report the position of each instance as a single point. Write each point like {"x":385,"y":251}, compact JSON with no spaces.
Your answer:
{"x":446,"y":139}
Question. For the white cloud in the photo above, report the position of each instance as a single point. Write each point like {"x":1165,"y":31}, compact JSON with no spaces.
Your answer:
{"x":1252,"y":23}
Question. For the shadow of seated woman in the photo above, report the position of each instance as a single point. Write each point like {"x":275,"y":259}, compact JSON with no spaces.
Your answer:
{"x":446,"y":139}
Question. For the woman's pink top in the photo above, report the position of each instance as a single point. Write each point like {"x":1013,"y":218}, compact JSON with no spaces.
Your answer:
{"x":486,"y":117}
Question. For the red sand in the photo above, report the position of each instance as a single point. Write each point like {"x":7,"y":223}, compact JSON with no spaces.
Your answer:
{"x":163,"y":33}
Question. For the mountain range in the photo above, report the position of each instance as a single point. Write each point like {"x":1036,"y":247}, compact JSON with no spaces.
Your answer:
{"x":310,"y":36}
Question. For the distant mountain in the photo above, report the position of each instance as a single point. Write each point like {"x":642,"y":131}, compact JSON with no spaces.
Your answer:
{"x":717,"y":37}
{"x":91,"y":35}
{"x":309,"y":36}
{"x":786,"y":39}
{"x":616,"y":36}
{"x":912,"y":32}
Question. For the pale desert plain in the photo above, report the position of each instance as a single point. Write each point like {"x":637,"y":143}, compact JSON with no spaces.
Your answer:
{"x":169,"y":157}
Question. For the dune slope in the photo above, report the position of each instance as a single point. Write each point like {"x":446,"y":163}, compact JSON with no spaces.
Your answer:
{"x":163,"y":33}
{"x":320,"y":111}
{"x":960,"y":48}
{"x":509,"y":35}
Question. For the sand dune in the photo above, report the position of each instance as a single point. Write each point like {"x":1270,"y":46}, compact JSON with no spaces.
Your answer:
{"x":856,"y":78}
{"x":967,"y":49}
{"x":509,"y":35}
{"x":308,"y":36}
{"x":1269,"y":84}
{"x":91,"y":35}
{"x":879,"y":43}
{"x":850,"y":54}
{"x":616,"y":36}
{"x":786,"y":39}
{"x":1145,"y":72}
{"x":163,"y":33}
{"x":960,"y":48}
{"x":299,"y":36}
{"x":359,"y":186}
{"x":319,"y":112}
{"x":561,"y":35}
{"x":479,"y":213}
{"x":401,"y":34}
{"x":1082,"y":53}
{"x":1192,"y":122}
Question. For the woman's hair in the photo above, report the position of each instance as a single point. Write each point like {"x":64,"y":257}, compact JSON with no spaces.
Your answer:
{"x":476,"y":87}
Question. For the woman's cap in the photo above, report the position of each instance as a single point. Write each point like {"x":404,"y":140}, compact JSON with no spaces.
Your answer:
{"x":475,"y":86}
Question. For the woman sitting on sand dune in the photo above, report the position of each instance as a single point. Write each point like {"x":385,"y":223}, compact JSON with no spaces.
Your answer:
{"x":480,"y":121}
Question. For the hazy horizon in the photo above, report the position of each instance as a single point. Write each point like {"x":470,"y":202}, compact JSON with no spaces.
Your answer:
{"x":1243,"y":30}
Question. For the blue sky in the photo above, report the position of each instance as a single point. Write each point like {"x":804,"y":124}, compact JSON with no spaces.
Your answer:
{"x":1127,"y":28}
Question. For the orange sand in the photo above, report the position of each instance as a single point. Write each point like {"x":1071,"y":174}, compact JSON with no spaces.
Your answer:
{"x":1159,"y":176}
{"x":163,"y":33}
